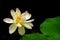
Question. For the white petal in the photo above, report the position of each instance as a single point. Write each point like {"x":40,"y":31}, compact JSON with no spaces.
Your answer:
{"x":28,"y":25}
{"x":30,"y":20}
{"x":19,"y":25}
{"x":31,"y":24}
{"x":26,"y":15}
{"x":13,"y":13}
{"x":8,"y":20}
{"x":18,"y":11}
{"x":12,"y":28}
{"x":21,"y":30}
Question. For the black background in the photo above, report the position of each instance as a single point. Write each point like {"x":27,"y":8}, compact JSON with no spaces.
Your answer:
{"x":40,"y":10}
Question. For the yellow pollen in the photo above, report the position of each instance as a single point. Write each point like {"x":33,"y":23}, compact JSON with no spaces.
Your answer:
{"x":18,"y":19}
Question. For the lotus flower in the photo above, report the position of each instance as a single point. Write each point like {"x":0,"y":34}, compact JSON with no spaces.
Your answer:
{"x":20,"y":21}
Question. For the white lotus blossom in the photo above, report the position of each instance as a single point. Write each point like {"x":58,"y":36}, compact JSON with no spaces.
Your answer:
{"x":20,"y":21}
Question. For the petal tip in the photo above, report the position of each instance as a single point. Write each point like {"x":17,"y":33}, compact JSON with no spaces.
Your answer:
{"x":17,"y":8}
{"x":29,"y":28}
{"x":10,"y":32}
{"x":33,"y":19}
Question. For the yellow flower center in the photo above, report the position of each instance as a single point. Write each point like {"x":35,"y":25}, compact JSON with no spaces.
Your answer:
{"x":17,"y":19}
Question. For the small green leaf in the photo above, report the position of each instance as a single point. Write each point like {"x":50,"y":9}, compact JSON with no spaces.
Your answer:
{"x":21,"y":30}
{"x":34,"y":36}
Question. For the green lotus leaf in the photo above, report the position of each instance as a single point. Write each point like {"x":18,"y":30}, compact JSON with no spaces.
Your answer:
{"x":51,"y":27}
{"x":53,"y":38}
{"x":34,"y":36}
